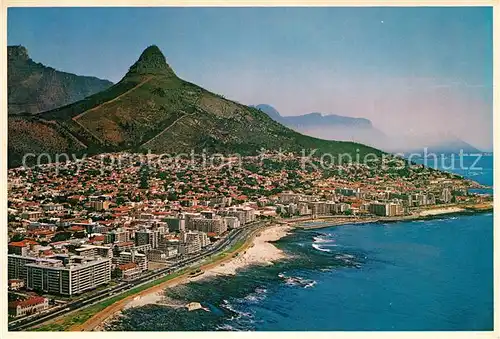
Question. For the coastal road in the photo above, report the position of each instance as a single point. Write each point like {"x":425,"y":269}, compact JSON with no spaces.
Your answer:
{"x":230,"y":240}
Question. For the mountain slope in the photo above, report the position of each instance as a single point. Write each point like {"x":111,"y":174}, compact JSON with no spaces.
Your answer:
{"x":33,"y":87}
{"x":271,"y":112}
{"x":336,"y":127}
{"x":152,"y":109}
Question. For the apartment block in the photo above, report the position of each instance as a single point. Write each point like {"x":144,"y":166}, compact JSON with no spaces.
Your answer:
{"x":244,"y":214}
{"x":146,"y":236}
{"x":176,"y":224}
{"x":99,"y":205}
{"x":80,"y":274}
{"x":94,"y":251}
{"x":232,"y":222}
{"x":16,"y":265}
{"x":118,"y":235}
{"x":135,"y":257}
{"x":216,"y":225}
{"x":192,"y":242}
{"x":32,"y":215}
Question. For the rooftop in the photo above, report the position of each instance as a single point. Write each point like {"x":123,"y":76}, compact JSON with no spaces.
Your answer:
{"x":28,"y":302}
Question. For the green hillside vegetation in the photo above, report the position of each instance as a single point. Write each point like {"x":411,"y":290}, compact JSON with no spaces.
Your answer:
{"x":152,"y":109}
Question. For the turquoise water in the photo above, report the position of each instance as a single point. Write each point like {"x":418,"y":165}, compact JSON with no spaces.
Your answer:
{"x":421,"y":275}
{"x":412,"y":276}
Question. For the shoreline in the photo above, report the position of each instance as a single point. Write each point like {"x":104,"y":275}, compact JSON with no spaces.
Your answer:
{"x":428,"y":214}
{"x":260,"y":252}
{"x":257,"y":250}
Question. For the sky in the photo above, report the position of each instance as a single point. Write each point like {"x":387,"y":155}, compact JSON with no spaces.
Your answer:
{"x":411,"y":71}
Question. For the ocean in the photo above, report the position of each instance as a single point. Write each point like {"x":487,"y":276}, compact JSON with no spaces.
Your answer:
{"x":420,"y":275}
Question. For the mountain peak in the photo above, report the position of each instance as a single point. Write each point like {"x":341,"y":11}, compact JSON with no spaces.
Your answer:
{"x":17,"y":53}
{"x":152,"y":61}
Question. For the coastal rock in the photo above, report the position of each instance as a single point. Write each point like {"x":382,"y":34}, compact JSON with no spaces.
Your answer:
{"x":193,"y":306}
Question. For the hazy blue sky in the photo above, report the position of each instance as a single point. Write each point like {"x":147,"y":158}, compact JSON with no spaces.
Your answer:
{"x":409,"y":70}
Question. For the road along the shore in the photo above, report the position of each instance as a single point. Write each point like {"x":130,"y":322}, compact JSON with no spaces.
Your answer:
{"x":100,"y":317}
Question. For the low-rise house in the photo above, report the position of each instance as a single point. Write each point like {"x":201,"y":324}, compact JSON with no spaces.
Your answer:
{"x":15,"y":284}
{"x":128,"y":271}
{"x":29,"y":306}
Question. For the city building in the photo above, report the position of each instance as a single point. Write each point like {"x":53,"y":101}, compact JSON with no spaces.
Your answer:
{"x":145,"y":236}
{"x":232,"y":222}
{"x":215,"y":225}
{"x":395,"y":209}
{"x":128,"y":271}
{"x":16,"y":265}
{"x":319,"y":208}
{"x":157,"y":255}
{"x":123,"y":246}
{"x":135,"y":257}
{"x":94,"y":251}
{"x":244,"y":214}
{"x":32,"y":215}
{"x":176,"y":224}
{"x":386,"y":209}
{"x":118,"y":235}
{"x":446,"y":195}
{"x":346,"y":191}
{"x":288,"y":197}
{"x":192,"y":242}
{"x":303,"y":208}
{"x":379,"y":208}
{"x":220,"y":201}
{"x":171,"y":251}
{"x":74,"y":276}
{"x":52,"y":207}
{"x":208,"y":214}
{"x":341,"y":208}
{"x":99,"y":205}
{"x":18,"y":247}
{"x":29,"y":306}
{"x":15,"y":284}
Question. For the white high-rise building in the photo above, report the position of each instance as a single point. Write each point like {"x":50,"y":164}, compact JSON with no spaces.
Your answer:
{"x":80,"y":274}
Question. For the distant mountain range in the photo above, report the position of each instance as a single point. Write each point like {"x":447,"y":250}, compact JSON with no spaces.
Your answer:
{"x":153,"y":109}
{"x":33,"y":87}
{"x":315,"y":119}
{"x":337,"y":127}
{"x":328,"y":126}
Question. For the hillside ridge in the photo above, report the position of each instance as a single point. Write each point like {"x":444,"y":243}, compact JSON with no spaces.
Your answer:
{"x":151,"y":109}
{"x":33,"y":87}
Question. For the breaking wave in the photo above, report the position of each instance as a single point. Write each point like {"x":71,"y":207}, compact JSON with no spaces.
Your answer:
{"x":319,"y":248}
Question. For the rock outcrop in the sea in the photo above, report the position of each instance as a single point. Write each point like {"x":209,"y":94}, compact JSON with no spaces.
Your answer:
{"x":193,"y":306}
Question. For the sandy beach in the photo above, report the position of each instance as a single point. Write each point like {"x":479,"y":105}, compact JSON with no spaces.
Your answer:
{"x":258,"y":251}
{"x":261,"y":252}
{"x":438,"y":211}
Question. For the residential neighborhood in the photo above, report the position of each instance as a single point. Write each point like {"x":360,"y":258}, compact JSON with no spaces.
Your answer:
{"x":71,"y":233}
